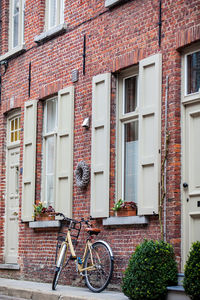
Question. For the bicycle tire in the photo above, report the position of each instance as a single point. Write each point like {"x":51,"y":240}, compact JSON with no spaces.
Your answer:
{"x":98,"y":279}
{"x":59,"y":266}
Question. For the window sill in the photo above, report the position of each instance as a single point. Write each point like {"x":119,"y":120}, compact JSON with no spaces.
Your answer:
{"x":44,"y":224}
{"x":50,"y":34}
{"x":136,"y":220}
{"x":110,"y":3}
{"x":9,"y":267}
{"x":14,"y":52}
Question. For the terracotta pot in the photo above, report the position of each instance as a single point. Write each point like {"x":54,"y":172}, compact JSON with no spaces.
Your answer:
{"x":126,"y":212}
{"x":44,"y":217}
{"x":112,"y":213}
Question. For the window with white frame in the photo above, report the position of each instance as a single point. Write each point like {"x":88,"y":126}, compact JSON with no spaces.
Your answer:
{"x":128,"y":119}
{"x":49,"y":144}
{"x":192,"y":72}
{"x":54,"y":13}
{"x":16,"y":36}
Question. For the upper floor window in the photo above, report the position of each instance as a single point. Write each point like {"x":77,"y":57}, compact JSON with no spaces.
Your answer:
{"x":193,"y":72}
{"x":54,"y":13}
{"x":16,"y":23}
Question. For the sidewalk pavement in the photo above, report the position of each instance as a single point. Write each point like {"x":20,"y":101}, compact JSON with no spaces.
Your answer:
{"x":42,"y":291}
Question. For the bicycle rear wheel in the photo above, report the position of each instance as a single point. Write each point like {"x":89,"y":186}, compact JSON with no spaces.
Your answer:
{"x":59,"y":265}
{"x":101,"y":258}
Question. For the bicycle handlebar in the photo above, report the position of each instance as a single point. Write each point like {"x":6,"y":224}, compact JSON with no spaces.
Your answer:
{"x":87,"y":222}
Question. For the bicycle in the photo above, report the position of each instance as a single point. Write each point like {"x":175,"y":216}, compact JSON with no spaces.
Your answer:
{"x":96,"y":265}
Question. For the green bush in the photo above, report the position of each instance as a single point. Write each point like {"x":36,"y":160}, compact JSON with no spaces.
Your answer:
{"x":191,"y":281}
{"x":152,"y":267}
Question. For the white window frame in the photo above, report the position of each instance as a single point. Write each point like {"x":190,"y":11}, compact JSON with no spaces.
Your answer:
{"x":123,"y":119}
{"x":44,"y":161}
{"x":59,"y":14}
{"x":187,"y":98}
{"x":21,"y":25}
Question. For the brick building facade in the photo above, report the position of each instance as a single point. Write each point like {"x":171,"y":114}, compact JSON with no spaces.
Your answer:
{"x":131,"y":67}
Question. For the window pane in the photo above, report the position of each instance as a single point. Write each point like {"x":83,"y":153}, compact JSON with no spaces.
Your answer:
{"x":16,"y":31}
{"x":16,"y":7}
{"x":130,"y":95}
{"x":52,"y":13}
{"x":193,"y":72}
{"x":49,"y":190}
{"x":50,"y":155}
{"x":51,"y":115}
{"x":130,"y":161}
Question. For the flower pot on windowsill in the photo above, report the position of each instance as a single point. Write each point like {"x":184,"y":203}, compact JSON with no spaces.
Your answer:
{"x":126,"y":212}
{"x":44,"y":217}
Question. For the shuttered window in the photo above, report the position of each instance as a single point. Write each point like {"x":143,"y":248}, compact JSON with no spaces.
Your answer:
{"x":138,"y":139}
{"x":57,"y":164}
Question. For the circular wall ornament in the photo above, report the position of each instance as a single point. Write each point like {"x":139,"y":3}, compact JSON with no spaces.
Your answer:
{"x":82,"y":174}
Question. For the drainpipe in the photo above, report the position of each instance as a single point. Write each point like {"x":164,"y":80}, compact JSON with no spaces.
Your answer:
{"x":165,"y":166}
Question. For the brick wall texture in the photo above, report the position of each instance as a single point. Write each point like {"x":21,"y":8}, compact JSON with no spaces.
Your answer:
{"x":116,"y":38}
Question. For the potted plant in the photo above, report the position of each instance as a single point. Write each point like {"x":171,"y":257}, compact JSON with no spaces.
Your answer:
{"x":124,"y":208}
{"x":43,"y":213}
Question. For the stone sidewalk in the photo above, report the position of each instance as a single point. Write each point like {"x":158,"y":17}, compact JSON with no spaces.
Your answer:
{"x":42,"y":291}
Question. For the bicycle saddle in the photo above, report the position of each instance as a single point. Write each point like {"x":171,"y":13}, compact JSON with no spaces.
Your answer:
{"x":93,"y":230}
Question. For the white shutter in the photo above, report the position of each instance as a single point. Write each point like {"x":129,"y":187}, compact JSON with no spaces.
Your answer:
{"x":29,"y":159}
{"x":100,"y":156}
{"x":64,"y":157}
{"x":150,"y":81}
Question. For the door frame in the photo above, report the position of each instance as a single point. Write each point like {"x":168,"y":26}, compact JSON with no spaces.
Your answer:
{"x":8,"y":147}
{"x":186,"y":100}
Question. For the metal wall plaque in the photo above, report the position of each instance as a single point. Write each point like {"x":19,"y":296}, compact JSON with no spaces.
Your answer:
{"x":74,"y":75}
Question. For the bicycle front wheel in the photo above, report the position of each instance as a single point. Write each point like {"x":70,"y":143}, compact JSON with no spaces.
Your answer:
{"x":59,"y":265}
{"x":99,"y":261}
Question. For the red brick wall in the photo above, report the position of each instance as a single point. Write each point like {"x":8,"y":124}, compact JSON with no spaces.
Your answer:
{"x":115,"y":39}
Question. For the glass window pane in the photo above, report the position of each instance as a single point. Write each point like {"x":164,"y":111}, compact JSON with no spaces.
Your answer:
{"x":51,"y":115}
{"x":52,"y":13}
{"x":16,"y":31}
{"x":12,"y":137}
{"x":16,"y":136}
{"x":16,"y":123}
{"x":50,"y":147}
{"x":49,"y":190}
{"x":16,"y":7}
{"x":130,"y":94}
{"x":12,"y":125}
{"x":193,"y":72}
{"x":130,"y":161}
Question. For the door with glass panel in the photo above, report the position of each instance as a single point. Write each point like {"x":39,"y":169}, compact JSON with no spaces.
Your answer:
{"x":191,"y":153}
{"x":12,"y":184}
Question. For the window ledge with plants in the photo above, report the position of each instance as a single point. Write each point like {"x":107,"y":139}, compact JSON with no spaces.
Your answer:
{"x":44,"y":217}
{"x":124,"y":213}
{"x":50,"y":34}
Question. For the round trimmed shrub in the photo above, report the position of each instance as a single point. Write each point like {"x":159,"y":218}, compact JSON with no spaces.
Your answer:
{"x":191,"y":281}
{"x":152,"y":267}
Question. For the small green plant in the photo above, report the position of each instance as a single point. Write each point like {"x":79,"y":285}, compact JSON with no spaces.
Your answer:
{"x":123,"y":204}
{"x":151,"y":269}
{"x":41,"y":209}
{"x":191,"y":281}
{"x":118,"y":205}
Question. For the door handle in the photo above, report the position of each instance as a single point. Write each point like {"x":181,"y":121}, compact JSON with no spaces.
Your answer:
{"x":185,"y":185}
